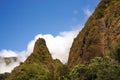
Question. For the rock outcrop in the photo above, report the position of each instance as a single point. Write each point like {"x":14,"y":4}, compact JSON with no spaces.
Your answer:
{"x":100,"y":34}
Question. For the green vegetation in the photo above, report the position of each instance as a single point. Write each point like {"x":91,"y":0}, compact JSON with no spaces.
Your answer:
{"x":99,"y":69}
{"x":78,"y":72}
{"x":63,"y":72}
{"x":30,"y":72}
{"x":4,"y":76}
{"x":99,"y":37}
{"x":115,"y":48}
{"x":38,"y":66}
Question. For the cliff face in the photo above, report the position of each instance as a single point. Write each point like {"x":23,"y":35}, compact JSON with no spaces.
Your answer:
{"x":100,"y":34}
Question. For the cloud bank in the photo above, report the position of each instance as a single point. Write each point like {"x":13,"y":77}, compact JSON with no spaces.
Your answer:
{"x":58,"y":46}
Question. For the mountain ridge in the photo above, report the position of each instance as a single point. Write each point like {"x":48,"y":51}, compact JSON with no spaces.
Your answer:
{"x":101,"y":32}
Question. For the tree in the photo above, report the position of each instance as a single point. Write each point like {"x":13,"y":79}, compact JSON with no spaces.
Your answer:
{"x":79,"y":72}
{"x":32,"y":71}
{"x":100,"y":68}
{"x":105,"y":68}
{"x":63,"y":72}
{"x":115,"y":48}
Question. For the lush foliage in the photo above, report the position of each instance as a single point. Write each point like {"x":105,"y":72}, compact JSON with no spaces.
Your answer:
{"x":3,"y":76}
{"x":30,"y":72}
{"x":116,"y":51}
{"x":99,"y":69}
{"x":63,"y":72}
{"x":79,"y":72}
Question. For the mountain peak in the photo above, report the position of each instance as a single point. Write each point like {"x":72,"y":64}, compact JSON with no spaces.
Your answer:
{"x":39,"y":42}
{"x":40,"y":53}
{"x":39,"y":63}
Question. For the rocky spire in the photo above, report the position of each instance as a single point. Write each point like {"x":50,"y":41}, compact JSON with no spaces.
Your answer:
{"x":40,"y":52}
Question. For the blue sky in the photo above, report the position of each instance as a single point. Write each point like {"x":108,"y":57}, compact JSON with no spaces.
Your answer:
{"x":22,"y":20}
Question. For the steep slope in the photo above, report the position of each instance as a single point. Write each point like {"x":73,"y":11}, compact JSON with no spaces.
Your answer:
{"x":40,"y":54}
{"x":38,"y":66}
{"x":100,"y":35}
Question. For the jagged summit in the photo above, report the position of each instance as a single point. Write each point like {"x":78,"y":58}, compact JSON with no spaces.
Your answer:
{"x":100,"y":34}
{"x":40,"y":53}
{"x":39,"y":42}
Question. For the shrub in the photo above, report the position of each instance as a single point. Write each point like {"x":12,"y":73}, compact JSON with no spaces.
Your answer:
{"x":99,"y":69}
{"x":116,"y":51}
{"x":32,"y":71}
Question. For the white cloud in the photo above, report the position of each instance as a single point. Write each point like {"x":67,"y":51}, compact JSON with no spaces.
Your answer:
{"x":7,"y":68}
{"x":21,"y":56}
{"x":88,"y":12}
{"x":58,"y":46}
{"x":7,"y":53}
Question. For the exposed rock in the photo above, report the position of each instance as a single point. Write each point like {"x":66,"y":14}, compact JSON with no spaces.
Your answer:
{"x":101,"y":32}
{"x":40,"y":53}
